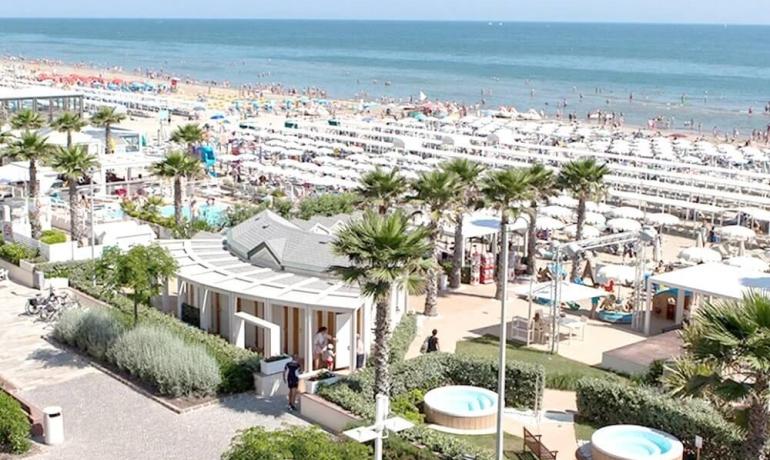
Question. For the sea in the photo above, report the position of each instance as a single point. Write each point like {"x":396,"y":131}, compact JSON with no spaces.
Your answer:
{"x":695,"y":76}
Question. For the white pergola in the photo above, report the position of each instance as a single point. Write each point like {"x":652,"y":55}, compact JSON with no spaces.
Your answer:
{"x":709,"y":280}
{"x":206,"y":267}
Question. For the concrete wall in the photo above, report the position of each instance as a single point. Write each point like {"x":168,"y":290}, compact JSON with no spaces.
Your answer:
{"x":328,"y":415}
{"x":18,"y":274}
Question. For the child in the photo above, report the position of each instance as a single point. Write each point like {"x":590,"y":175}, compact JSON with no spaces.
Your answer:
{"x":329,"y":357}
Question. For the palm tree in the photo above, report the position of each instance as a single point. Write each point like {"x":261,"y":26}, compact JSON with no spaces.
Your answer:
{"x":27,"y":120}
{"x":69,"y":123}
{"x":178,"y":166}
{"x":74,"y":163}
{"x":505,"y":190}
{"x":584,"y":179}
{"x":106,"y":118}
{"x":468,"y":173}
{"x":727,"y":357}
{"x":382,"y":188}
{"x":190,"y":135}
{"x":542,"y":184}
{"x":33,"y":148}
{"x":384,"y":252}
{"x":439,"y":192}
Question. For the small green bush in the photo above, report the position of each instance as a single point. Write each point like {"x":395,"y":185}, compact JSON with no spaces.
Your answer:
{"x":53,"y":236}
{"x":447,"y":445}
{"x":402,"y":338}
{"x":407,"y":405}
{"x":92,"y":330}
{"x":397,"y":448}
{"x":175,"y":368}
{"x":523,"y":381}
{"x":604,"y":403}
{"x":15,"y":252}
{"x":297,"y":443}
{"x":14,"y":426}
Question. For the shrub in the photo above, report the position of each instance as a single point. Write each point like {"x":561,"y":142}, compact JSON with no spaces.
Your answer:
{"x":402,"y":338}
{"x":297,"y":443}
{"x":15,"y":252}
{"x":523,"y":381}
{"x":397,"y":448}
{"x":407,"y":405}
{"x":92,"y":331}
{"x":447,"y":445}
{"x":237,"y":365}
{"x":610,"y":403}
{"x":53,"y":236}
{"x":14,"y":426}
{"x":156,"y":356}
{"x":327,"y":204}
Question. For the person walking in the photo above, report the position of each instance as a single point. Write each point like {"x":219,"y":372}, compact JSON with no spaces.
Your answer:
{"x":291,"y":378}
{"x":431,"y":343}
{"x":360,"y":352}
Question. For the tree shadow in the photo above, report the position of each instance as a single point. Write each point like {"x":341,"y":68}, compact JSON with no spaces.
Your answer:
{"x":57,"y":357}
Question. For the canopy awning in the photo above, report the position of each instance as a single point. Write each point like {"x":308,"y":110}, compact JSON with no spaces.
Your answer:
{"x":570,"y":292}
{"x":715,"y":279}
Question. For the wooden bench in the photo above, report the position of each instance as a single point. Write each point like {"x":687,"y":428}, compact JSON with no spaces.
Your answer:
{"x":534,"y":444}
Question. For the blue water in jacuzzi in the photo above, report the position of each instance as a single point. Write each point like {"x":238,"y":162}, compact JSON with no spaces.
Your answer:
{"x":460,"y":400}
{"x":638,"y":444}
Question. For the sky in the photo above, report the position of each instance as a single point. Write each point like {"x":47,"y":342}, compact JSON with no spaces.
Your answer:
{"x":660,"y":11}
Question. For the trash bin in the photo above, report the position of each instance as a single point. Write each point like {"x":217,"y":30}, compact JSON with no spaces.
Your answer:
{"x":53,"y":425}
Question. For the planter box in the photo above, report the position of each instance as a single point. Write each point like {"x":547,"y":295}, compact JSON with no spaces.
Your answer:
{"x":311,"y":386}
{"x":328,"y":415}
{"x":273,"y":367}
{"x":270,"y":385}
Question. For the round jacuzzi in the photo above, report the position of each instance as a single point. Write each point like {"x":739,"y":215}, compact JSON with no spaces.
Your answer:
{"x":461,"y":407}
{"x":632,"y":442}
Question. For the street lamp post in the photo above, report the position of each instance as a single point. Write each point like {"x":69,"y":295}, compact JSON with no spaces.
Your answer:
{"x":93,"y":234}
{"x":503,"y":343}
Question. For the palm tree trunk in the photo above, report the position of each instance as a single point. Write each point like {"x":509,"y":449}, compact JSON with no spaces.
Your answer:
{"x":178,"y":201}
{"x":107,"y":137}
{"x":75,"y":229}
{"x":34,"y":208}
{"x":69,"y":139}
{"x":757,"y":437}
{"x":381,"y":352}
{"x":502,"y":277}
{"x":581,"y":217}
{"x":532,"y":240}
{"x":457,"y":256}
{"x":431,"y":279}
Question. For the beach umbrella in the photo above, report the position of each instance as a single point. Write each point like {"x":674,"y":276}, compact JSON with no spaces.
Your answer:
{"x":661,"y":219}
{"x":735,"y":233}
{"x":564,"y":200}
{"x":749,"y":263}
{"x":548,"y":223}
{"x":699,"y":240}
{"x":603,"y":208}
{"x":557,"y":212}
{"x":699,"y":255}
{"x":623,"y":274}
{"x":626,"y":212}
{"x":588,"y":231}
{"x":624,"y":225}
{"x":594,"y":218}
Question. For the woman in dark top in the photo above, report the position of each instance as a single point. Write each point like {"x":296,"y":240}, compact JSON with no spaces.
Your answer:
{"x":433,"y":342}
{"x":291,"y":378}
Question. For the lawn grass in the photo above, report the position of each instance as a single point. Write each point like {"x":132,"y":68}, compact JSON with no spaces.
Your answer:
{"x":560,"y":373}
{"x":511,"y":444}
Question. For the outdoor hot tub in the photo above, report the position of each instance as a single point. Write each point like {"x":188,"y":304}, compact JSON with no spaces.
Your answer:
{"x":461,"y":407}
{"x":632,"y":442}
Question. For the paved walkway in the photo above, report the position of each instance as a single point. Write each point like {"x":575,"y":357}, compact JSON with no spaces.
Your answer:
{"x":103,"y":418}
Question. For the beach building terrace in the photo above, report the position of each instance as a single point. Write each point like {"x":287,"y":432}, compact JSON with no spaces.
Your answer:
{"x":48,"y":101}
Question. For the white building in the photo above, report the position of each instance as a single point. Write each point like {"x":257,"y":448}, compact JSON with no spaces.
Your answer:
{"x":266,"y":286}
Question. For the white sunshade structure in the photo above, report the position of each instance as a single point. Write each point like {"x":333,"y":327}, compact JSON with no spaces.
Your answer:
{"x":735,"y":233}
{"x":558,"y":212}
{"x":570,"y":292}
{"x":661,"y":219}
{"x":564,"y":200}
{"x":624,"y":225}
{"x":594,"y":218}
{"x":749,"y":263}
{"x":699,"y":255}
{"x":548,"y":223}
{"x":625,"y":212}
{"x":624,"y":274}
{"x":501,"y":136}
{"x":588,"y":231}
{"x":406,"y":143}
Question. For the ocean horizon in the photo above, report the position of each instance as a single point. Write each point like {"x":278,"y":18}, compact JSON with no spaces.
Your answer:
{"x":692,"y":74}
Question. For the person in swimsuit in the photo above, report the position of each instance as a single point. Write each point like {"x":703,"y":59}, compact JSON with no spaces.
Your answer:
{"x":291,"y":378}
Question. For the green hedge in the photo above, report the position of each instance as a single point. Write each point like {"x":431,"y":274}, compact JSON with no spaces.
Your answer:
{"x":402,"y":338}
{"x":157,"y":356}
{"x":603,"y":403}
{"x":450,"y":447}
{"x":236,"y":365}
{"x":53,"y":236}
{"x":15,"y":252}
{"x":14,"y":426}
{"x":296,"y":443}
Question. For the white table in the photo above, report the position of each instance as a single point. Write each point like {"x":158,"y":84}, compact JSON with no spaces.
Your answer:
{"x":573,"y":325}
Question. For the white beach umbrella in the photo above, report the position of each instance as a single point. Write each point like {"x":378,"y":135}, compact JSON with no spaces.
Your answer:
{"x":548,"y":223}
{"x":594,"y":218}
{"x":557,"y":212}
{"x":699,"y":255}
{"x":588,"y":231}
{"x":749,"y":263}
{"x":626,"y":212}
{"x":623,"y":274}
{"x":564,"y":200}
{"x":661,"y":219}
{"x":735,"y":233}
{"x":603,"y":208}
{"x":624,"y":225}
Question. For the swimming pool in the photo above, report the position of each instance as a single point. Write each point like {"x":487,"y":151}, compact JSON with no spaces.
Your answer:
{"x":212,"y":214}
{"x":461,"y":407}
{"x":632,"y":442}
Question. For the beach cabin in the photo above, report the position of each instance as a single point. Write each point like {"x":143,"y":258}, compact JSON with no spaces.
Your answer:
{"x":266,"y":286}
